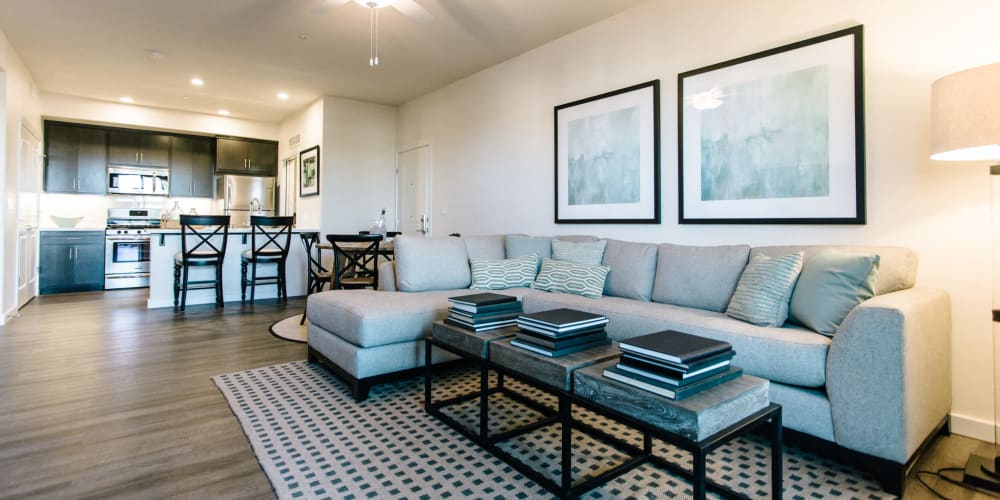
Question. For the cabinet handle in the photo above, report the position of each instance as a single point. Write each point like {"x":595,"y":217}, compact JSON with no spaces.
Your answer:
{"x":249,"y":163}
{"x":137,"y":157}
{"x":76,"y":253}
{"x":141,"y":157}
{"x":69,"y":253}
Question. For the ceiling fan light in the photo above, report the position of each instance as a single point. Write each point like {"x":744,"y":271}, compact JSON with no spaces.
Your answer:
{"x":374,"y":4}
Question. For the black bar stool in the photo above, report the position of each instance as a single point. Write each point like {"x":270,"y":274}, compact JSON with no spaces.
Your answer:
{"x":359,"y":269}
{"x":318,"y":275}
{"x":203,"y":243}
{"x":269,"y":240}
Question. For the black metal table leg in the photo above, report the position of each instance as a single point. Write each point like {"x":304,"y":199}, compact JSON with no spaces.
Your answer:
{"x":698,"y":474}
{"x":484,"y":402}
{"x":777,"y":460}
{"x":566,"y":422}
{"x":427,"y":375}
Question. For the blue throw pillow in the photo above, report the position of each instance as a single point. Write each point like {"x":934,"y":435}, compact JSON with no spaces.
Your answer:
{"x":832,"y":283}
{"x":571,"y":277}
{"x":762,"y":294}
{"x":489,"y":274}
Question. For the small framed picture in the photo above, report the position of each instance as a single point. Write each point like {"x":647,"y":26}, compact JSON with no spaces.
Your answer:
{"x":309,"y":172}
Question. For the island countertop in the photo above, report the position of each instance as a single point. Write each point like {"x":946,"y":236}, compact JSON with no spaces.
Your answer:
{"x":232,"y":230}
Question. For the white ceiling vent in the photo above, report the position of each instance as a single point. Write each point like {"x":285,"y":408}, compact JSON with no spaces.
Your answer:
{"x":294,"y":140}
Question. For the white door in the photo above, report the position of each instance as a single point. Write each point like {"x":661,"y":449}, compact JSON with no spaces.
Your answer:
{"x":28,"y":184}
{"x":413,"y":190}
{"x":288,"y":191}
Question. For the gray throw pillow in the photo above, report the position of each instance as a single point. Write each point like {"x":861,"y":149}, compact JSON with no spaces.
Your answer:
{"x":571,"y":277}
{"x":832,"y":283}
{"x":583,"y":252}
{"x":762,"y":294}
{"x":431,"y":264}
{"x":699,"y":277}
{"x":633,"y":267}
{"x":518,"y":246}
{"x":488,"y":274}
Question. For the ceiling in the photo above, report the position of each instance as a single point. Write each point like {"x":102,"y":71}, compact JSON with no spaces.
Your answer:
{"x":247,"y":51}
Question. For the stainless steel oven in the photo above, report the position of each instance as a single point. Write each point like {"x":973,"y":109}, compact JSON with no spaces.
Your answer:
{"x":126,"y":248}
{"x":135,"y":180}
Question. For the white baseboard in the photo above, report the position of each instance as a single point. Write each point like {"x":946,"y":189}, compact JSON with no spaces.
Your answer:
{"x":976,"y":428}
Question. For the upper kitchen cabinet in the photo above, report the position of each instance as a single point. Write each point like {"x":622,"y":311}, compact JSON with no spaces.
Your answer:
{"x":126,"y":147}
{"x":76,"y":158}
{"x":191,"y":163}
{"x":246,"y":157}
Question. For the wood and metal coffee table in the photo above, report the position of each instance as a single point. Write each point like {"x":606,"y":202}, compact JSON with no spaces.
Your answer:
{"x":698,"y":424}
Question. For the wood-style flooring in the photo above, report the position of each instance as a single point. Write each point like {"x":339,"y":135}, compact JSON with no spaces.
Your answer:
{"x":103,"y":398}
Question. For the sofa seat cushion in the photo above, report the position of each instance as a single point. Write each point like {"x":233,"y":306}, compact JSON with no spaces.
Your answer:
{"x":790,"y":355}
{"x":369,"y":318}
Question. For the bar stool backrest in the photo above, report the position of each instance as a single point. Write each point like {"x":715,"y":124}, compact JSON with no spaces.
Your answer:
{"x":270,"y":235}
{"x":204,"y":236}
{"x":359,"y":266}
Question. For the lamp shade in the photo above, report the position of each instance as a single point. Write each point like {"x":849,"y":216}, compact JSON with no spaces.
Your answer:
{"x":965,"y":115}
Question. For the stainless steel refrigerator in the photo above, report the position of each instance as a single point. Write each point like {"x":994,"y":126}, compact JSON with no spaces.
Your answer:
{"x":243,"y":196}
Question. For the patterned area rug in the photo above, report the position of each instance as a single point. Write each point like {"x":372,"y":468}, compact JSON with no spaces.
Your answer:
{"x":314,"y":441}
{"x":290,"y":329}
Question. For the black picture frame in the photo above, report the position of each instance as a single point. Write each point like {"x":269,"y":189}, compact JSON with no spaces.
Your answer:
{"x":799,"y":186}
{"x":634,"y":113}
{"x":309,"y":167}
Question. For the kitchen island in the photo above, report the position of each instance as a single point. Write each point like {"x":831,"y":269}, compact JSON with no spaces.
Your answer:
{"x":165,"y":243}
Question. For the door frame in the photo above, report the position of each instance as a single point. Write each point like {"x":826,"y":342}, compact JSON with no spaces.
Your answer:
{"x":429,"y":179}
{"x":23,"y":131}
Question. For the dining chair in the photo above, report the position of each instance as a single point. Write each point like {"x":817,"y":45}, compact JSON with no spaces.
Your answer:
{"x":355,"y":258}
{"x":269,"y":240}
{"x":317,"y":275}
{"x":203,"y":243}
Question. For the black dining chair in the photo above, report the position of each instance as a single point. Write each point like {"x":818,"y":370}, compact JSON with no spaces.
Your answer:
{"x":203,"y":243}
{"x":269,"y":241}
{"x":317,"y":275}
{"x":355,"y":258}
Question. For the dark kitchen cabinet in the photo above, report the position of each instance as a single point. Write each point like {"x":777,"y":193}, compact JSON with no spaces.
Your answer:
{"x":191,"y":164}
{"x":246,"y":157}
{"x":126,"y":147}
{"x":76,"y":158}
{"x":71,"y":261}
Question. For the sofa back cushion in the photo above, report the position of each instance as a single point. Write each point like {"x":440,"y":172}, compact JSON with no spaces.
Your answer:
{"x":518,"y":246}
{"x":632,"y":269}
{"x":485,"y":246}
{"x":699,"y":277}
{"x":431,"y":264}
{"x":582,"y":252}
{"x":897,"y":268}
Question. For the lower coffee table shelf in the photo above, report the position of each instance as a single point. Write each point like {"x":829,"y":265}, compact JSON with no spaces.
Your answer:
{"x":698,"y":424}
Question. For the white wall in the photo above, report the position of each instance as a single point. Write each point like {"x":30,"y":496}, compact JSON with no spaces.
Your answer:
{"x":493,"y":152}
{"x":19,"y":104}
{"x":307,"y":123}
{"x":357,"y":164}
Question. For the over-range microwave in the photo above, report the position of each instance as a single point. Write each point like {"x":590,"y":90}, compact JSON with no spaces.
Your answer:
{"x":135,"y":180}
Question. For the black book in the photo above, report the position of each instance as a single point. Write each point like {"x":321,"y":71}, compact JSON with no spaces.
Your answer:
{"x":667,"y":391}
{"x":672,"y":373}
{"x":684,"y":367}
{"x":675,"y":347}
{"x":484,"y":317}
{"x":483,"y":302}
{"x":560,"y":335}
{"x":674,"y":381}
{"x":480,"y":327}
{"x":560,"y":352}
{"x":556,"y":345}
{"x":559,"y":321}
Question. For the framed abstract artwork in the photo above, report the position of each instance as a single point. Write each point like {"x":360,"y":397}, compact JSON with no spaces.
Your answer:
{"x":775,"y":137}
{"x":309,"y":172}
{"x":607,"y":165}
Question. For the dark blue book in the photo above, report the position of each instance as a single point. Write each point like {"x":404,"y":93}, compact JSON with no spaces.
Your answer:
{"x":575,"y":332}
{"x":484,"y":317}
{"x":714,"y":365}
{"x":556,"y":345}
{"x":560,"y":320}
{"x":674,"y":346}
{"x":561,"y":352}
{"x":684,"y":367}
{"x":479,"y":327}
{"x":484,"y":302}
{"x":667,"y":391}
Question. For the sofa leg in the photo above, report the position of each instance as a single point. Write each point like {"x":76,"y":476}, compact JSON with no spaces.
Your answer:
{"x":360,"y":389}
{"x":890,"y":476}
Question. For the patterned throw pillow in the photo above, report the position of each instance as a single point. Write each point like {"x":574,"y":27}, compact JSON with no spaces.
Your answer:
{"x":584,"y":252}
{"x":488,"y":274}
{"x":571,"y":277}
{"x":762,"y":294}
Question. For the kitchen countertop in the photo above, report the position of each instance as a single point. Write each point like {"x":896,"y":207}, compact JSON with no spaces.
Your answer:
{"x":232,"y":230}
{"x":63,"y":229}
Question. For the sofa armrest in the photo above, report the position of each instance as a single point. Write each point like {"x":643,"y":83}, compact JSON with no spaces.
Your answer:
{"x":387,"y":276}
{"x":888,"y":372}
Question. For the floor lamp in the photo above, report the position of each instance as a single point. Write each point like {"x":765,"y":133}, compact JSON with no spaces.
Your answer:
{"x":965,"y":126}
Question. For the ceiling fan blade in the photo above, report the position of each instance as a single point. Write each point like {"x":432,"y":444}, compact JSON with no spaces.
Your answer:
{"x":413,"y":10}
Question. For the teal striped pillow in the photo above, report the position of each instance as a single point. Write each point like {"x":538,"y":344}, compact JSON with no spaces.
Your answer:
{"x":571,"y":277}
{"x":488,"y":274}
{"x":764,"y":289}
{"x":584,"y":252}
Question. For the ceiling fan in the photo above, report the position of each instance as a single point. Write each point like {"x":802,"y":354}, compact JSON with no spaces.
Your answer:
{"x":409,"y":8}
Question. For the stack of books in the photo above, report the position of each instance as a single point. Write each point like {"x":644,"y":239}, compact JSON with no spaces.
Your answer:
{"x":560,"y":331}
{"x":674,"y":365}
{"x":483,"y":311}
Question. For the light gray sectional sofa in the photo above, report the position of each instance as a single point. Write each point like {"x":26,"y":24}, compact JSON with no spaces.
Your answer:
{"x":879,"y":387}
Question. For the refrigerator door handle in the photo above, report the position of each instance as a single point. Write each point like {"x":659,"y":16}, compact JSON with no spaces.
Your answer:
{"x":229,"y":194}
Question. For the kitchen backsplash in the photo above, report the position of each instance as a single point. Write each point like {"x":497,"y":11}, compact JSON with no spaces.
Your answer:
{"x":94,"y":208}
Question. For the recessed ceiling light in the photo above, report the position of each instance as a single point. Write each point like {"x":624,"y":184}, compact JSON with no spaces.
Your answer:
{"x":156,"y":55}
{"x":224,"y":112}
{"x":283,"y":96}
{"x":126,"y":99}
{"x":197,"y":82}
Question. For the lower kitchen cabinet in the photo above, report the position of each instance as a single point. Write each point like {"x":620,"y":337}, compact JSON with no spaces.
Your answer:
{"x":71,"y":261}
